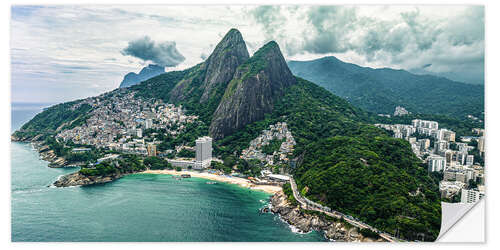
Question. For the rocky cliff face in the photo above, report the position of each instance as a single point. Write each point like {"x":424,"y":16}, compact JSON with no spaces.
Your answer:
{"x":230,"y":53}
{"x":211,"y":77}
{"x":252,"y":91}
{"x":334,"y":231}
{"x":147,"y":72}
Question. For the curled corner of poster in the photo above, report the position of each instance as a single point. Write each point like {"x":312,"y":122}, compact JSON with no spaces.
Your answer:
{"x":462,"y":222}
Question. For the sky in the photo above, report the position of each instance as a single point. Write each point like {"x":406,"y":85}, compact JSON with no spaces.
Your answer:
{"x":61,"y":52}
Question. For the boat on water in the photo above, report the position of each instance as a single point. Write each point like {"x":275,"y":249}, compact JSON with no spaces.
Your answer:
{"x":211,"y":182}
{"x":185,"y":175}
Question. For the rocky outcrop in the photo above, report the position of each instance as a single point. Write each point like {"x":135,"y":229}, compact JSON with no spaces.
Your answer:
{"x":252,"y":91}
{"x":24,"y":137}
{"x":304,"y":222}
{"x":230,"y":53}
{"x":78,"y":179}
{"x":211,"y":77}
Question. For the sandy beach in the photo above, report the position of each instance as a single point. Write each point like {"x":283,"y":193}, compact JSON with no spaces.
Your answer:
{"x":233,"y":180}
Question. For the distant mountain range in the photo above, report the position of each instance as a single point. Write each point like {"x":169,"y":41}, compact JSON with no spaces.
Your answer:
{"x":148,"y":72}
{"x":381,"y":90}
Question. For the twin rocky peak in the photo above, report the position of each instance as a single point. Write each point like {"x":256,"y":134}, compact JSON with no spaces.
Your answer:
{"x":244,"y":87}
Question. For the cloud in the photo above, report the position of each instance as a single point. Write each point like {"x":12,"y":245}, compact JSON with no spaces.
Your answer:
{"x":380,"y":36}
{"x":54,"y":61}
{"x":271,"y":16}
{"x":163,"y":54}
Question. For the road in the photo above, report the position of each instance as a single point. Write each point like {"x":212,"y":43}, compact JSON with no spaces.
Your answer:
{"x":310,"y":205}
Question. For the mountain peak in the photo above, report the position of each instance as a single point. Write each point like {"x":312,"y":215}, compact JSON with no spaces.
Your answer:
{"x":233,"y":32}
{"x":229,"y":53}
{"x":147,"y":72}
{"x":252,"y":91}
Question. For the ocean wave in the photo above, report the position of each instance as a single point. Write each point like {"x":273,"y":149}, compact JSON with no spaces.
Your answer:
{"x":27,"y":191}
{"x":293,"y":228}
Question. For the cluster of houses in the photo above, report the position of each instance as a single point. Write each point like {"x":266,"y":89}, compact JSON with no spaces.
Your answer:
{"x":278,"y":131}
{"x":118,"y":121}
{"x":462,"y":174}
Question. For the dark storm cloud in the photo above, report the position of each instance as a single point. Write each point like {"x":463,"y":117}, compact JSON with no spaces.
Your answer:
{"x":163,"y":54}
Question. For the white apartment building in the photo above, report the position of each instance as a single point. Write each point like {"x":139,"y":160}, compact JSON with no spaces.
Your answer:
{"x":436,"y":163}
{"x":417,"y":123}
{"x":471,"y":196}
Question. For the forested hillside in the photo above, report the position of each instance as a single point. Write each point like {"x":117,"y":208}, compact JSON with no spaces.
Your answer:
{"x":381,"y":90}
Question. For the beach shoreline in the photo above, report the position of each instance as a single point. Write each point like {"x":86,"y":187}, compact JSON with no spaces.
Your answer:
{"x":231,"y":180}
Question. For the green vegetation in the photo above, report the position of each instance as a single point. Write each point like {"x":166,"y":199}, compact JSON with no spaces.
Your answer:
{"x":351,"y":166}
{"x":154,"y":162}
{"x":128,"y":163}
{"x":257,"y":62}
{"x":287,"y":190}
{"x":381,"y":90}
{"x":368,"y":233}
{"x":220,"y":166}
{"x":54,"y":117}
{"x":87,"y":157}
{"x":273,"y":146}
{"x":186,"y":153}
{"x":250,"y":167}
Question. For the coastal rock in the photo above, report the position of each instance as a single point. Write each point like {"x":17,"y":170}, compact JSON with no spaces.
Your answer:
{"x":304,"y":222}
{"x":78,"y":179}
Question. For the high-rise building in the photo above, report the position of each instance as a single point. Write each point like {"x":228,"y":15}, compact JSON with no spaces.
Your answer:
{"x":203,"y":151}
{"x":440,"y":146}
{"x":436,"y":163}
{"x":424,"y":144}
{"x":447,"y":135}
{"x":139,"y":132}
{"x":417,"y":123}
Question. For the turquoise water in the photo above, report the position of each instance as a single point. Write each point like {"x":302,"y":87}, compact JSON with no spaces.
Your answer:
{"x":140,"y":207}
{"x":23,"y":112}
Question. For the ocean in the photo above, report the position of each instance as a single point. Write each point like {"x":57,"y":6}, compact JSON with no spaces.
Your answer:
{"x":135,"y":208}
